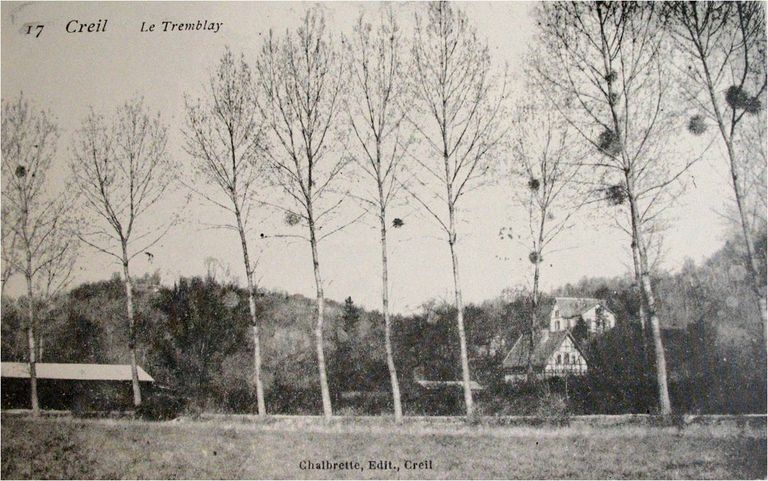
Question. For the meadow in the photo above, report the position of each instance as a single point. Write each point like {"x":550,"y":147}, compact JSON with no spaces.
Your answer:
{"x":200,"y":449}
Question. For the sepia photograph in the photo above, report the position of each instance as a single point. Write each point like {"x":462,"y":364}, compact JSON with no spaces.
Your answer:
{"x":383,"y":240}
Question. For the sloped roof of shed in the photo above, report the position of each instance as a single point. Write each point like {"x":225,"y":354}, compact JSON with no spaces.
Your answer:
{"x":74,"y":372}
{"x":474,"y":385}
{"x":543,"y":348}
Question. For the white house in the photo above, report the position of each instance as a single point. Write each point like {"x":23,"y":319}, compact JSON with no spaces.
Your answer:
{"x":554,"y":354}
{"x":566,"y":312}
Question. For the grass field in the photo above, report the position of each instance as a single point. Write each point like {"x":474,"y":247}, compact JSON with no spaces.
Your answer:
{"x":75,"y":448}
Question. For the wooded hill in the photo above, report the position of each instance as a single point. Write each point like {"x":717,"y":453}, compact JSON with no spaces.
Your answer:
{"x":193,"y":338}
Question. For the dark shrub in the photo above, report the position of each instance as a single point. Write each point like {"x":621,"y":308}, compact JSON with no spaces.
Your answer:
{"x":161,"y":405}
{"x":441,"y":401}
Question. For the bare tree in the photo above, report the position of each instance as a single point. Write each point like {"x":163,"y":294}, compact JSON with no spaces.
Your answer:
{"x":37,"y":223}
{"x":604,"y":65}
{"x":300,"y":81}
{"x":122,"y":170}
{"x":457,"y":112}
{"x":376,"y":103}
{"x":8,"y":244}
{"x":723,"y":44}
{"x":752,"y":142}
{"x":545,"y":168}
{"x":224,"y":137}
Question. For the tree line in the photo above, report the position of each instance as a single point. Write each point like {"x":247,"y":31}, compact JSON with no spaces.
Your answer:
{"x":190,"y":338}
{"x":381,"y":117}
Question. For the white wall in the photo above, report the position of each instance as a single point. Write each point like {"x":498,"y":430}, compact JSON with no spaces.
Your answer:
{"x":557,"y":323}
{"x":590,"y":317}
{"x":576,"y":363}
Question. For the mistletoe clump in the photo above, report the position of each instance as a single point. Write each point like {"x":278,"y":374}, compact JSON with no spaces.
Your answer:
{"x":535,"y":257}
{"x":615,"y":194}
{"x":738,"y":98}
{"x":397,"y":222}
{"x":21,"y":171}
{"x":292,"y":218}
{"x":609,"y":144}
{"x":534,"y":184}
{"x":697,"y":125}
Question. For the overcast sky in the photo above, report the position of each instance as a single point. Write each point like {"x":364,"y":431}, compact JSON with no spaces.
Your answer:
{"x":69,"y":72}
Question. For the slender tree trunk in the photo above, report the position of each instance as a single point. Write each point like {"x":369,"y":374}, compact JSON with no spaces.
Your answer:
{"x":262,"y":407}
{"x":642,"y":312}
{"x":385,"y":309}
{"x":643,"y":315}
{"x":749,"y":261}
{"x":665,"y":406}
{"x":532,"y":320}
{"x":638,"y":250}
{"x":749,"y":249}
{"x":131,"y":328}
{"x":535,"y":295}
{"x":325,"y":393}
{"x":460,"y":314}
{"x":31,"y":342}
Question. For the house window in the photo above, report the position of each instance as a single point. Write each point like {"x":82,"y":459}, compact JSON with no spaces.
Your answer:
{"x":566,"y":359}
{"x":558,"y":359}
{"x":557,"y":325}
{"x":557,"y":312}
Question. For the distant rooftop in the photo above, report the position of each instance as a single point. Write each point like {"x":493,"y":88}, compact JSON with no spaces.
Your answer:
{"x":543,"y":347}
{"x":574,"y":306}
{"x":73,"y":372}
{"x":473,"y":385}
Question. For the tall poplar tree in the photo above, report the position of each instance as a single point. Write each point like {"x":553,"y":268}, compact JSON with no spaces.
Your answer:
{"x":376,"y":104}
{"x":224,"y":137}
{"x":457,"y":114}
{"x":122,"y":171}
{"x":300,"y":81}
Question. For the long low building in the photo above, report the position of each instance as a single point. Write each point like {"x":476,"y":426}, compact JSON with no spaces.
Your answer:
{"x":70,"y":386}
{"x":73,"y":372}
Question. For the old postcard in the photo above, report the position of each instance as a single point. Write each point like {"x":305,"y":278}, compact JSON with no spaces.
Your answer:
{"x":383,"y":240}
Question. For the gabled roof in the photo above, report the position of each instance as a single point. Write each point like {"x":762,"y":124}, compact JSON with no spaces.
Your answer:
{"x":542,"y":350}
{"x":73,"y":372}
{"x":574,"y":306}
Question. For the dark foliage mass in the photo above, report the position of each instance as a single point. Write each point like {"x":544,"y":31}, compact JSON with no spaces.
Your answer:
{"x":739,"y":99}
{"x":196,"y":343}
